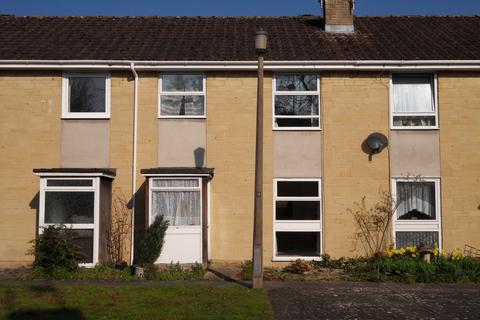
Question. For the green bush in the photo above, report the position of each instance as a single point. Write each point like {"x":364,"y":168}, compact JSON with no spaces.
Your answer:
{"x":246,"y":270}
{"x":174,"y":272}
{"x":55,"y":251}
{"x":151,"y":246}
{"x":298,"y":267}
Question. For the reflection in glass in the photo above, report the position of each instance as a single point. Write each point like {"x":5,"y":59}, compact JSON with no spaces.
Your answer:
{"x":87,"y":94}
{"x":303,"y":82}
{"x":69,"y":207}
{"x":182,"y":105}
{"x":182,"y":83}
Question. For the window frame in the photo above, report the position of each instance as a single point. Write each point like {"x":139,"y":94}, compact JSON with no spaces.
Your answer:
{"x":66,"y":114}
{"x":152,"y":189}
{"x":414,"y":114}
{"x":418,"y":225}
{"x":296,"y":93}
{"x":95,"y":188}
{"x":182,"y":93}
{"x":297,"y":225}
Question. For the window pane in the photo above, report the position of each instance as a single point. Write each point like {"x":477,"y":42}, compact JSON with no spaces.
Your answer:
{"x":304,"y":82}
{"x":179,"y":208}
{"x":175,"y":183}
{"x":416,"y":201}
{"x":406,"y":239}
{"x":182,"y":83}
{"x":415,"y":121}
{"x":297,"y":188}
{"x":83,"y":238}
{"x":182,"y":106}
{"x":87,"y":94}
{"x":413,"y":94}
{"x":296,"y":105}
{"x":302,"y":244}
{"x":69,"y":207}
{"x":296,"y":122}
{"x":69,"y":183}
{"x":297,"y":210}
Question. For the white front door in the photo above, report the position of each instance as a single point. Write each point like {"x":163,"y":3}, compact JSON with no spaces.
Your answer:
{"x":179,"y":200}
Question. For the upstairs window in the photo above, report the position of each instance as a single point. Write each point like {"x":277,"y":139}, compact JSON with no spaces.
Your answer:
{"x":296,"y":102}
{"x":414,"y":103}
{"x":86,"y":96}
{"x":182,"y":96}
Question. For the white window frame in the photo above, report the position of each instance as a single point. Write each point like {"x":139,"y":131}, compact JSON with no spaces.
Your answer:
{"x":297,"y":225}
{"x":95,"y":188}
{"x":414,"y":114}
{"x":66,"y":114}
{"x":151,"y":189}
{"x":182,"y":93}
{"x":418,"y":225}
{"x":296,"y":93}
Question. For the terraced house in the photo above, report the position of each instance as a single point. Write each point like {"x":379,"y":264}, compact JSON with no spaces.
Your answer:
{"x":163,"y":110}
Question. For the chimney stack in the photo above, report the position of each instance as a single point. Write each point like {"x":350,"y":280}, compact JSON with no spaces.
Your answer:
{"x":338,"y":15}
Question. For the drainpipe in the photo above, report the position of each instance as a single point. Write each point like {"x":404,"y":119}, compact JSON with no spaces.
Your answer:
{"x":134,"y":159}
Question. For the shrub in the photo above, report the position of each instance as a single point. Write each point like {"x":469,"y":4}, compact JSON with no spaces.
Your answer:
{"x":298,"y":267}
{"x":174,"y":272}
{"x":246,"y":270}
{"x":54,"y":250}
{"x":151,"y":246}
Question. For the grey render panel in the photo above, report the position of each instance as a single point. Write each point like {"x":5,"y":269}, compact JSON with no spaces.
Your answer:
{"x":181,"y":142}
{"x":85,"y":144}
{"x":415,"y":153}
{"x":297,"y":154}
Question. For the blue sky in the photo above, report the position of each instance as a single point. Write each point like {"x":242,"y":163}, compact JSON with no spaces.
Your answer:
{"x":231,"y":8}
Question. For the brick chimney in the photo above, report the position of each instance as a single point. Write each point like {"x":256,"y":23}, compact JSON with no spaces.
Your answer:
{"x":338,"y":15}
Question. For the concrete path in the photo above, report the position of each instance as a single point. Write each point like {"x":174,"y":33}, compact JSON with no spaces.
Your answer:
{"x":360,"y":300}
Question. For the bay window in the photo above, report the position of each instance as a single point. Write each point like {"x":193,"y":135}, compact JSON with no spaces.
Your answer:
{"x":74,"y":203}
{"x":417,"y":217}
{"x":296,"y":102}
{"x":413,"y":101}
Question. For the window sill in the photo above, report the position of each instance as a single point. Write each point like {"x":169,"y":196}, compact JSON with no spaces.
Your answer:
{"x":181,"y":117}
{"x":297,"y":129}
{"x":82,"y":117}
{"x":415,"y":128}
{"x":293,"y":258}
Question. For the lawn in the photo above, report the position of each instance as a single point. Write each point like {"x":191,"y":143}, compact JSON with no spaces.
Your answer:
{"x":75,"y":302}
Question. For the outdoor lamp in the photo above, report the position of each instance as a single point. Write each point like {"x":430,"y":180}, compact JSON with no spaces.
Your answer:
{"x":261,"y":41}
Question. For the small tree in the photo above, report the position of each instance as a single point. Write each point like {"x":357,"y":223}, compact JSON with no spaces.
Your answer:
{"x":116,"y":235}
{"x":54,"y":248}
{"x":373,"y":223}
{"x":151,"y":246}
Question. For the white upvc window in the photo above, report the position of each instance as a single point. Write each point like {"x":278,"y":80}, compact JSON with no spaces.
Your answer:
{"x":297,"y":219}
{"x":178,"y":200}
{"x":296,"y":102}
{"x":182,"y":96}
{"x":86,"y":96}
{"x":413,"y":101}
{"x":75,"y":204}
{"x":417,"y":219}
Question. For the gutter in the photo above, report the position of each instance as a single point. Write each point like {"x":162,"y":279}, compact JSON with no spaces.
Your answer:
{"x":134,"y":158}
{"x":390,"y":65}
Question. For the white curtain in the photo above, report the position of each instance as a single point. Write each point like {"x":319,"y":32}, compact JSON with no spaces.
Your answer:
{"x":180,"y":208}
{"x":175,"y":183}
{"x":419,"y":196}
{"x":413,"y":94}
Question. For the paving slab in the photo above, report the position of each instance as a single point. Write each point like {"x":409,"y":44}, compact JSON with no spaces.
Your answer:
{"x":358,"y":300}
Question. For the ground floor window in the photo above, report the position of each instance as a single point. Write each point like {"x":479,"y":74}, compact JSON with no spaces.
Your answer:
{"x":297,"y":219}
{"x":74,"y":203}
{"x":417,"y":219}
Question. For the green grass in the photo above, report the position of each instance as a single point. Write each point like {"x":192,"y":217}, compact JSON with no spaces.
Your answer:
{"x":75,"y":302}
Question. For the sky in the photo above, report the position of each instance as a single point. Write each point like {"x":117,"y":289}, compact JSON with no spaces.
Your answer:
{"x":230,"y":8}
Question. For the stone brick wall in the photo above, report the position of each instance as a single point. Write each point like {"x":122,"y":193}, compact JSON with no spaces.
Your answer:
{"x":459,"y":101}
